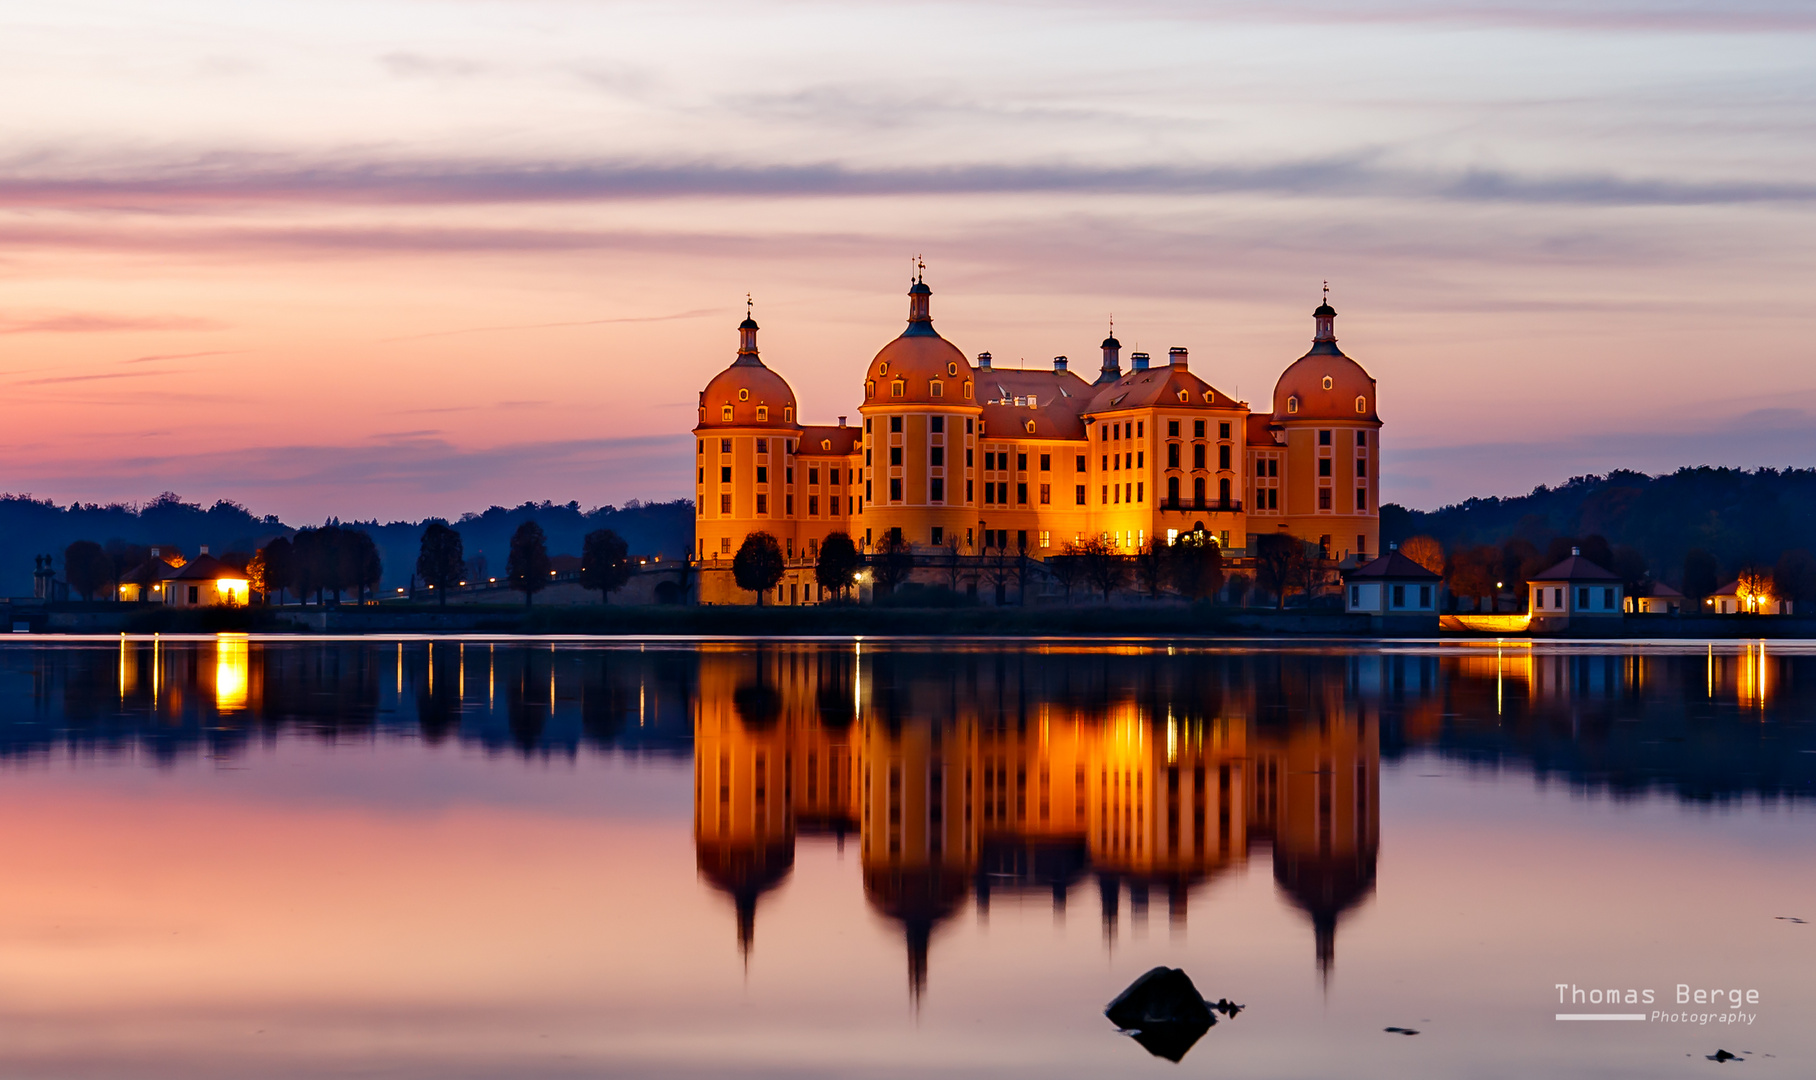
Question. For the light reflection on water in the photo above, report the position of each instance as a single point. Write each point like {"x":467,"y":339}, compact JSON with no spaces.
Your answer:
{"x":963,"y":795}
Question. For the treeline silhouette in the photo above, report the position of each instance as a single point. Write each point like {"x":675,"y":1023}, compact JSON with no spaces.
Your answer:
{"x":1683,"y":528}
{"x":127,"y":531}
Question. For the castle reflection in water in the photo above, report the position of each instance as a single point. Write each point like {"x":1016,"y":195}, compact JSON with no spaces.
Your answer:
{"x":967,"y":771}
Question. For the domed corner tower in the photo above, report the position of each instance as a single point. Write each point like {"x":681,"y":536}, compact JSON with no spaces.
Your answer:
{"x":920,"y":430}
{"x":1324,"y":405}
{"x":744,"y":446}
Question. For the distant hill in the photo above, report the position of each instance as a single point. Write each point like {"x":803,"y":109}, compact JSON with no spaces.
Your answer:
{"x":31,"y":527}
{"x":1739,"y":517}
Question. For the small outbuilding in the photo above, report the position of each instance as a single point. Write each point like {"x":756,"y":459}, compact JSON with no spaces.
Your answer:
{"x":1735,"y":598}
{"x":207,"y":582}
{"x":1575,"y":592}
{"x":1656,"y":598}
{"x":1393,"y":589}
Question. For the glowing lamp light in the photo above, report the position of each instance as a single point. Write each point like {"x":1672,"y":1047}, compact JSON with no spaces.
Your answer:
{"x":492,"y":580}
{"x":233,"y":591}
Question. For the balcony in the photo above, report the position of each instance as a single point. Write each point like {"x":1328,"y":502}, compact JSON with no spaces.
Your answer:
{"x":1212,"y":506}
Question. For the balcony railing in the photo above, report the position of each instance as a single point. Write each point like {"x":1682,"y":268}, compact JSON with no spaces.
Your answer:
{"x":1206,"y":505}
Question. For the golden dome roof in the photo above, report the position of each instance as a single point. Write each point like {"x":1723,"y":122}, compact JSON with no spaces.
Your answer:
{"x":920,"y":367}
{"x":1324,"y":384}
{"x":754,"y":395}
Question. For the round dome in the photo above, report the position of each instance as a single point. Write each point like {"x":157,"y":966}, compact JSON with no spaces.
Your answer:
{"x":1325,"y":385}
{"x":920,"y":367}
{"x":747,"y":394}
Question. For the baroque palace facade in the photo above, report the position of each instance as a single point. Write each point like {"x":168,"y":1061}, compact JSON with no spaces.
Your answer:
{"x":961,"y":457}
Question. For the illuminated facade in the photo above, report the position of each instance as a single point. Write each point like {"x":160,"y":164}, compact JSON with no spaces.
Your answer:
{"x":955,"y":454}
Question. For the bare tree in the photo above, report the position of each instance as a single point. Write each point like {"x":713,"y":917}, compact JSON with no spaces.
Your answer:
{"x":893,"y":562}
{"x":1104,"y":566}
{"x":1280,"y":564}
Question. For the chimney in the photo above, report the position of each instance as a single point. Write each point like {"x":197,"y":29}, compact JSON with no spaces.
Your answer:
{"x":983,"y":361}
{"x":204,"y":549}
{"x":1176,"y":356}
{"x":841,"y":421}
{"x":157,"y":553}
{"x":1138,"y":361}
{"x":1395,"y":546}
{"x":1573,"y":551}
{"x":1059,"y":365}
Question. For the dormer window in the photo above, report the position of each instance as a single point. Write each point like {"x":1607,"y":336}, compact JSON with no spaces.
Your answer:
{"x":1292,"y":404}
{"x":898,"y":388}
{"x":1030,"y":427}
{"x":870,"y":388}
{"x":1327,"y":382}
{"x":935,"y":388}
{"x":1184,"y":396}
{"x":788,"y":414}
{"x":725,"y":414}
{"x":762,"y":412}
{"x":883,"y":368}
{"x":1209,"y":397}
{"x":952,"y":368}
{"x":743,"y":395}
{"x":967,"y":389}
{"x":1361,"y":404}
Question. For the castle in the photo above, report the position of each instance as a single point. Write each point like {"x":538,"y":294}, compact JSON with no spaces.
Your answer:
{"x":964,"y":457}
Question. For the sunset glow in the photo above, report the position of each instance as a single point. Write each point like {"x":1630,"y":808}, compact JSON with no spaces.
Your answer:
{"x":394,"y":259}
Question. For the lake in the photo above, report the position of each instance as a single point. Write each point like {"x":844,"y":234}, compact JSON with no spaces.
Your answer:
{"x":483,"y":857}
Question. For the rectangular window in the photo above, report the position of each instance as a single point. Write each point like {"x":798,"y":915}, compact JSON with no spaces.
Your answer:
{"x":866,"y":425}
{"x":1324,"y":437}
{"x":1103,"y":463}
{"x":1116,"y":494}
{"x":762,"y":503}
{"x":1557,"y":599}
{"x":937,"y":388}
{"x":895,"y":489}
{"x":1607,"y":599}
{"x":989,"y":461}
{"x":936,"y":455}
{"x":936,"y":424}
{"x":724,"y":446}
{"x":1273,"y":498}
{"x":938,"y":490}
{"x":788,"y":507}
{"x":762,"y":474}
{"x":788,"y":475}
{"x":1223,"y":430}
{"x":1424,"y":596}
{"x":813,"y":476}
{"x":1361,"y":438}
{"x":762,"y":446}
{"x":895,"y":425}
{"x":1141,"y":492}
{"x":1198,"y":429}
{"x":1197,"y":455}
{"x":967,"y":427}
{"x":1223,"y":456}
{"x":938,"y":536}
{"x":832,"y":505}
{"x":1355,"y":596}
{"x":1361,"y":466}
{"x":1273,"y":467}
{"x":1021,"y":463}
{"x":1172,"y":455}
{"x":725,"y":545}
{"x":1104,"y":496}
{"x":967,"y":491}
{"x":1046,"y":539}
{"x":1046,"y":496}
{"x":725,"y":505}
{"x":968,"y":458}
{"x":1141,"y":428}
{"x":989,"y":494}
{"x":1582,"y":599}
{"x":1141,"y":459}
{"x":1324,"y":466}
{"x":1538,"y":598}
{"x":813,"y":505}
{"x":1399,"y":596}
{"x":725,"y":474}
{"x":1002,"y":493}
{"x":1046,"y":463}
{"x":1081,"y":463}
{"x":1021,"y":494}
{"x":1103,"y":433}
{"x":1362,"y":500}
{"x":1173,"y":429}
{"x":1079,"y":495}
{"x":895,"y":455}
{"x":1324,"y":498}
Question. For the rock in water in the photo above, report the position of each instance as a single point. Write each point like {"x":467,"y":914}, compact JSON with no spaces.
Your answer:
{"x":1722,"y":1056}
{"x":1164,"y":1012}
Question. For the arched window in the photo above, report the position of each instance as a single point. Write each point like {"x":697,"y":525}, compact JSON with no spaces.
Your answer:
{"x":1173,"y":491}
{"x":870,"y":388}
{"x":1361,"y":404}
{"x":1292,"y":404}
{"x":1198,"y":492}
{"x":967,"y":389}
{"x":788,"y":414}
{"x":1223,"y":491}
{"x":1030,"y":427}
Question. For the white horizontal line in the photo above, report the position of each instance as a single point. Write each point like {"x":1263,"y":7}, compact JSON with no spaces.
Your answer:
{"x":1601,"y":1016}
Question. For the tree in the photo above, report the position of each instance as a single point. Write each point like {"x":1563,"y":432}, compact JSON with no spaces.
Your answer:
{"x":306,"y":564}
{"x":1239,"y":588}
{"x":893,"y":561}
{"x":999,"y":571}
{"x":1103,"y":566}
{"x":1473,"y":573}
{"x":1701,"y":575}
{"x":441,"y":559}
{"x":87,"y":568}
{"x":1195,"y":564}
{"x":1795,"y":578}
{"x":1151,"y":568}
{"x":365,"y":568}
{"x":605,"y":563}
{"x":838,"y":563}
{"x":1630,"y":566}
{"x":1066,"y":569}
{"x":1281,"y":562}
{"x":279,"y":567}
{"x":758,"y":565}
{"x":527,"y":568}
{"x":1753,"y":587}
{"x":955,"y":570}
{"x":1426,"y":551}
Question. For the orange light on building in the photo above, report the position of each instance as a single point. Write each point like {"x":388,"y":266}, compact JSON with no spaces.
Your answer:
{"x":234,"y":592}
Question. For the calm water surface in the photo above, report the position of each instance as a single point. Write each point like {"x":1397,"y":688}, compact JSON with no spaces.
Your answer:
{"x":550,"y":858}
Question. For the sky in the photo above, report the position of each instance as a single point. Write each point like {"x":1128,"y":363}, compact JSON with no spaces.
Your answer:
{"x":397,"y":258}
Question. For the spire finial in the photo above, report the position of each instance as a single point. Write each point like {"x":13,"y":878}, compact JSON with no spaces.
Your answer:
{"x":920,"y":270}
{"x":750,"y":306}
{"x":1327,"y":292}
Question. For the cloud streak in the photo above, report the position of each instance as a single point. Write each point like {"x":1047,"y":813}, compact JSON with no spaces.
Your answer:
{"x":80,"y":322}
{"x":243,"y":178}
